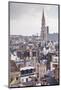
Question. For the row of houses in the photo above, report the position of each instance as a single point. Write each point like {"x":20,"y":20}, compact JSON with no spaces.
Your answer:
{"x":33,"y":63}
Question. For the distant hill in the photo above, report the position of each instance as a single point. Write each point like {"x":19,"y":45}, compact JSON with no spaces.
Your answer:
{"x":53,"y":37}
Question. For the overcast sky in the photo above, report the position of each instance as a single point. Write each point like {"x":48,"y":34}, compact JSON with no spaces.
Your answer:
{"x":25,"y":19}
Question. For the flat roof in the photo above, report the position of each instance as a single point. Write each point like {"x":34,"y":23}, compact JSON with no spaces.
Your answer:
{"x":29,"y":67}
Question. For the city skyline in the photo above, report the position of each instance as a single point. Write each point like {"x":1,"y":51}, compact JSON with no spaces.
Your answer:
{"x":34,"y":45}
{"x":26,"y":19}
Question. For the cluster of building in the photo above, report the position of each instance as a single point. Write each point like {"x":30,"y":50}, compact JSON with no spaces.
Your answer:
{"x":34,"y":61}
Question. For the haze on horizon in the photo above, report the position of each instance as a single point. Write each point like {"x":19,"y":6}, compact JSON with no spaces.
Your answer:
{"x":26,"y":19}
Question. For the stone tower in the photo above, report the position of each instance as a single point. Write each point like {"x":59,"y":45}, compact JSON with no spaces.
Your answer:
{"x":44,"y":30}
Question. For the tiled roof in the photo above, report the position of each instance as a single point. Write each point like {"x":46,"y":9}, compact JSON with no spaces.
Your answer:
{"x":13,"y":67}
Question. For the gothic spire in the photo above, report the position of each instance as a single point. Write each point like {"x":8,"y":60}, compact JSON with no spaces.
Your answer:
{"x":43,"y":19}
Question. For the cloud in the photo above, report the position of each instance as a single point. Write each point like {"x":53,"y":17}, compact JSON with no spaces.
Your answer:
{"x":25,"y":19}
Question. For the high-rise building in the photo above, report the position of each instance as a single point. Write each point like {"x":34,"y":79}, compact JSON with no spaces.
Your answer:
{"x":44,"y":30}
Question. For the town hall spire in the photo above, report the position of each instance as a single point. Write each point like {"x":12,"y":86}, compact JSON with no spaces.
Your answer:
{"x":44,"y":29}
{"x":43,"y":19}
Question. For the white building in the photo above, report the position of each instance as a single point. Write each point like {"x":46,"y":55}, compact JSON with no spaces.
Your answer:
{"x":28,"y":74}
{"x":54,"y":65}
{"x":54,"y":62}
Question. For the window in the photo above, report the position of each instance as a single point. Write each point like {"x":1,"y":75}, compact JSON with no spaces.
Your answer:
{"x":16,"y":78}
{"x":26,"y":79}
{"x":34,"y":53}
{"x":26,"y":54}
{"x":19,"y":54}
{"x":30,"y":71}
{"x":22,"y":72}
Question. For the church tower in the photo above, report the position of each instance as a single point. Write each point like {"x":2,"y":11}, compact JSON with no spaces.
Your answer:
{"x":43,"y":19}
{"x":44,"y":30}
